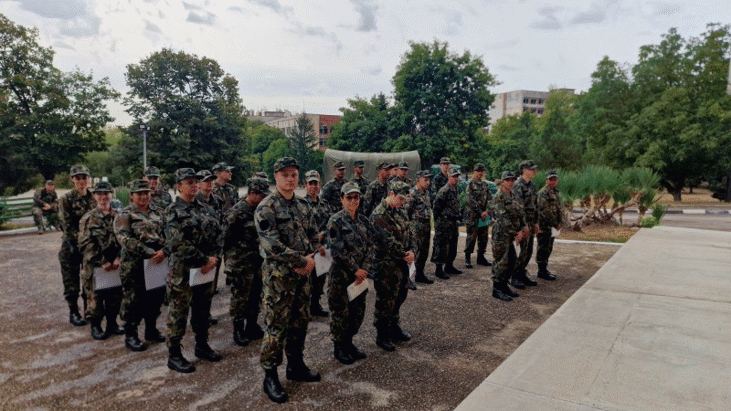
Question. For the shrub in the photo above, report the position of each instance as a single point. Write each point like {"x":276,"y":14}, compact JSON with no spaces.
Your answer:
{"x":658,"y":211}
{"x":649,"y":222}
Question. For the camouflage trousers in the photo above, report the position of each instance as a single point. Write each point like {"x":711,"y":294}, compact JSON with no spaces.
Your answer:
{"x":286,"y":314}
{"x":99,"y":303}
{"x":526,"y":252}
{"x":545,"y":246}
{"x":70,"y":258}
{"x":392,"y":287}
{"x":318,"y":286}
{"x":446,"y":234}
{"x":503,"y":254}
{"x":346,"y":316}
{"x":51,"y":218}
{"x":184,"y":299}
{"x":137,"y":302}
{"x":477,"y":235}
{"x":422,"y":237}
{"x":246,"y":288}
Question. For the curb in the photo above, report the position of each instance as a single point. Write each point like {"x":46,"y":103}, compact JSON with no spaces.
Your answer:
{"x":671,"y":211}
{"x":27,"y":230}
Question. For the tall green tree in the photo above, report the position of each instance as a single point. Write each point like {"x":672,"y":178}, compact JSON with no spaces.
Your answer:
{"x":303,"y":143}
{"x":508,"y":142}
{"x":366,"y":125}
{"x":556,"y":143}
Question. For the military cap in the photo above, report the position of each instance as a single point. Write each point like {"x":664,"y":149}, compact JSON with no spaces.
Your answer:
{"x":339,"y":165}
{"x":258,"y":185}
{"x":403,"y":165}
{"x":137,"y":186}
{"x":400,"y":188}
{"x":529,"y":164}
{"x":312,"y":175}
{"x":261,"y":174}
{"x":152,"y":172}
{"x":424,"y":173}
{"x":359,"y":163}
{"x":479,"y":167}
{"x":183,"y":173}
{"x":384,"y":165}
{"x":79,"y":169}
{"x":205,"y":175}
{"x":222,"y":167}
{"x":454,"y":172}
{"x":551,"y":173}
{"x":508,"y":175}
{"x":445,"y":160}
{"x":50,"y":183}
{"x":102,"y":187}
{"x":350,"y":188}
{"x":285,"y":162}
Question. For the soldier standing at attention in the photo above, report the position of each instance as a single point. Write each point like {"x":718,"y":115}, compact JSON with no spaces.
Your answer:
{"x":331,"y":189}
{"x":420,"y":216}
{"x":214,"y":208}
{"x":478,"y":208}
{"x":509,"y":227}
{"x":447,"y":214}
{"x":378,"y":189}
{"x":394,"y":246}
{"x":223,"y":188}
{"x":360,"y":179}
{"x":322,"y":214}
{"x":101,"y":249}
{"x":243,"y":263}
{"x":159,"y":197}
{"x":192,"y":235}
{"x":527,"y":194}
{"x":44,"y":205}
{"x":289,"y":237}
{"x":441,"y":178}
{"x":140,"y":232}
{"x":352,"y":252}
{"x":71,"y":207}
{"x":401,"y":171}
{"x":550,"y":215}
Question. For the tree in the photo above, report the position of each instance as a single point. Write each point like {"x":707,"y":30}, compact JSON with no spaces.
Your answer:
{"x":302,"y":142}
{"x":508,"y":142}
{"x":366,"y":125}
{"x":556,"y":144}
{"x":277,"y":149}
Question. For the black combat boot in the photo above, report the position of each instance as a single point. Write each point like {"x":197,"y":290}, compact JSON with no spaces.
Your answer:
{"x":507,"y":290}
{"x":451,"y":269}
{"x":440,"y":273}
{"x":526,"y":280}
{"x":273,"y":388}
{"x":498,"y":293}
{"x":383,"y":339}
{"x":74,"y":316}
{"x":96,"y":329}
{"x":467,"y":260}
{"x":177,"y":362}
{"x":481,"y":260}
{"x":397,"y":334}
{"x":212,"y":320}
{"x":412,"y":286}
{"x":355,"y":353}
{"x":515,"y":282}
{"x":204,"y":351}
{"x":112,"y":327}
{"x":544,"y":273}
{"x":253,"y":331}
{"x":131,"y":340}
{"x":152,"y":334}
{"x":342,"y":354}
{"x":422,"y":278}
{"x":239,"y":334}
{"x":298,"y":371}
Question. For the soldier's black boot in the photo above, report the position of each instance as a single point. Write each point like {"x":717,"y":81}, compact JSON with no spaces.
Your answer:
{"x":467,"y":260}
{"x":397,"y":334}
{"x":298,"y":371}
{"x":412,"y":286}
{"x":422,"y":278}
{"x":498,"y":293}
{"x":177,"y":362}
{"x":74,"y":316}
{"x":204,"y":351}
{"x":239,"y":334}
{"x":253,"y":331}
{"x":515,"y":282}
{"x":273,"y":388}
{"x":383,"y":339}
{"x":481,"y":260}
{"x":152,"y":334}
{"x":342,"y":354}
{"x":509,"y":291}
{"x":131,"y":340}
{"x":96,"y":330}
{"x":440,"y":273}
{"x":212,"y":320}
{"x":451,"y":269}
{"x":544,"y":273}
{"x":112,"y":327}
{"x":355,"y":353}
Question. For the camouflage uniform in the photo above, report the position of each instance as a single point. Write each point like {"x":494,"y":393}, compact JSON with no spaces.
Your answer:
{"x":71,"y":207}
{"x":287,"y":233}
{"x":525,"y":192}
{"x":437,"y":182}
{"x":352,"y":249}
{"x":509,"y":221}
{"x":363,"y":183}
{"x":550,"y":215}
{"x":99,"y":246}
{"x":447,"y":215}
{"x":376,"y":192}
{"x":228,"y":193}
{"x":160,"y":198}
{"x":42,"y":198}
{"x":322,"y":214}
{"x":331,"y":195}
{"x":420,"y":216}
{"x":402,"y":179}
{"x":478,"y":201}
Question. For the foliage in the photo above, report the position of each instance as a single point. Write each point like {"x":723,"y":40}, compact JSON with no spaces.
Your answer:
{"x":303,"y":143}
{"x":649,"y":222}
{"x":277,"y":149}
{"x":122,"y":194}
{"x":508,"y":142}
{"x":368,"y":125}
{"x":658,"y":212}
{"x":555,"y":143}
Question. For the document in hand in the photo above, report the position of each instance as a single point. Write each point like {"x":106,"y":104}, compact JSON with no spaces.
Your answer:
{"x":554,"y":232}
{"x":155,"y":274}
{"x":323,"y":263}
{"x":356,"y":290}
{"x":104,"y":279}
{"x":516,"y":245}
{"x":198,"y":278}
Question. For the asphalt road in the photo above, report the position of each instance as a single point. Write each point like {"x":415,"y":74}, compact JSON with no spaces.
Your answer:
{"x":718,"y":222}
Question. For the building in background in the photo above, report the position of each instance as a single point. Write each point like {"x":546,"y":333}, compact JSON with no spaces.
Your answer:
{"x":518,"y":101}
{"x":322,"y":123}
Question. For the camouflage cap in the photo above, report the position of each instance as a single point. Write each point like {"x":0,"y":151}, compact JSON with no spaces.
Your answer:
{"x":508,"y":175}
{"x":79,"y":169}
{"x":454,"y":171}
{"x":258,"y":185}
{"x":152,"y":172}
{"x":479,"y":167}
{"x":102,"y":187}
{"x":403,"y":165}
{"x":339,"y":165}
{"x":359,"y":163}
{"x":312,"y":175}
{"x":384,"y":165}
{"x":445,"y":160}
{"x":183,"y":173}
{"x":400,"y":188}
{"x":529,"y":164}
{"x":424,"y":174}
{"x":551,"y":173}
{"x":285,"y":162}
{"x":50,"y":183}
{"x":221,"y":167}
{"x":349,"y":188}
{"x":261,"y":174}
{"x":137,"y":186}
{"x":205,"y":175}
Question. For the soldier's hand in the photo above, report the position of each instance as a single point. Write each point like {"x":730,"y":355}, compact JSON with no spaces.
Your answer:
{"x":157,"y":257}
{"x":212,"y":261}
{"x":322,"y":251}
{"x":536,"y":229}
{"x":409,"y":257}
{"x":47,"y":207}
{"x":117,"y":262}
{"x":307,"y":269}
{"x":107,"y":267}
{"x":360,"y":276}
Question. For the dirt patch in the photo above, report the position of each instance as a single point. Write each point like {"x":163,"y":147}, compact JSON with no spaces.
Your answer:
{"x":612,"y":233}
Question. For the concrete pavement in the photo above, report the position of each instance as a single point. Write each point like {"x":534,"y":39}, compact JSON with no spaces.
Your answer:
{"x":649,"y":331}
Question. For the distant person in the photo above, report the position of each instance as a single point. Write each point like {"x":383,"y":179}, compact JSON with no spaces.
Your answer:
{"x":223,"y":187}
{"x":478,"y":208}
{"x":322,"y":213}
{"x":159,"y":197}
{"x":447,"y":215}
{"x":215,"y":208}
{"x":420,"y":217}
{"x":378,"y":188}
{"x":527,"y":194}
{"x":509,"y":228}
{"x":550,"y":217}
{"x":439,"y":180}
{"x":401,"y":170}
{"x":359,"y":178}
{"x":44,"y":205}
{"x":331,"y":189}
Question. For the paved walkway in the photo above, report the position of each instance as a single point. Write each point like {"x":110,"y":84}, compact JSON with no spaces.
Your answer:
{"x":651,"y":330}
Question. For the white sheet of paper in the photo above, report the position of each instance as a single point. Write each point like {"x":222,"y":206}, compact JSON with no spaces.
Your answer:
{"x":356,"y":290}
{"x":104,"y":279}
{"x":156,"y":274}
{"x":412,"y":271}
{"x":516,"y":245}
{"x":323,"y":263}
{"x":554,"y":232}
{"x":198,"y":278}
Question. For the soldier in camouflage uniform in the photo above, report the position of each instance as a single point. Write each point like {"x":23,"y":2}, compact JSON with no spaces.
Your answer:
{"x":359,"y":178}
{"x":243,"y":263}
{"x":394,"y":251}
{"x":140,"y":232}
{"x":439,"y":180}
{"x":447,"y":215}
{"x":100,"y":248}
{"x":289,"y":237}
{"x":401,"y":170}
{"x":478,"y":208}
{"x":331,"y":189}
{"x":550,"y":215}
{"x":420,"y":217}
{"x":159,"y":197}
{"x":527,"y":194}
{"x":509,"y":227}
{"x":193,"y":237}
{"x":214,"y":209}
{"x":223,"y":188}
{"x":352,"y":252}
{"x":321,"y":210}
{"x":377,"y":189}
{"x":71,"y":207}
{"x":44,"y":205}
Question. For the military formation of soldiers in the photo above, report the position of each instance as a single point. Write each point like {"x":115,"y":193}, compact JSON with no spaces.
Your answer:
{"x":270,"y":240}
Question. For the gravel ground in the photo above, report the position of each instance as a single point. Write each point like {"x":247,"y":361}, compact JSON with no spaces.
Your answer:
{"x":460,"y":335}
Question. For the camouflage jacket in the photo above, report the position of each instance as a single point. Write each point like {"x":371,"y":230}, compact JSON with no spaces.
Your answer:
{"x":96,"y":238}
{"x":550,"y":213}
{"x":508,"y":211}
{"x":321,"y":211}
{"x":42,"y":197}
{"x":331,"y":195}
{"x":191,"y":235}
{"x":437,"y":182}
{"x":350,"y":241}
{"x":446,"y":205}
{"x":71,"y":207}
{"x":228,"y":193}
{"x":140,"y":234}
{"x":478,"y":199}
{"x":376,"y":192}
{"x":362,"y":182}
{"x":404,"y":180}
{"x":241,"y":240}
{"x":526,"y":193}
{"x":161,"y":198}
{"x":213,"y":208}
{"x":287,"y":230}
{"x":391,"y":232}
{"x":420,"y":205}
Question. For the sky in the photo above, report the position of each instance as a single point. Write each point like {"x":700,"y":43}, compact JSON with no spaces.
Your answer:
{"x":312,"y":56}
